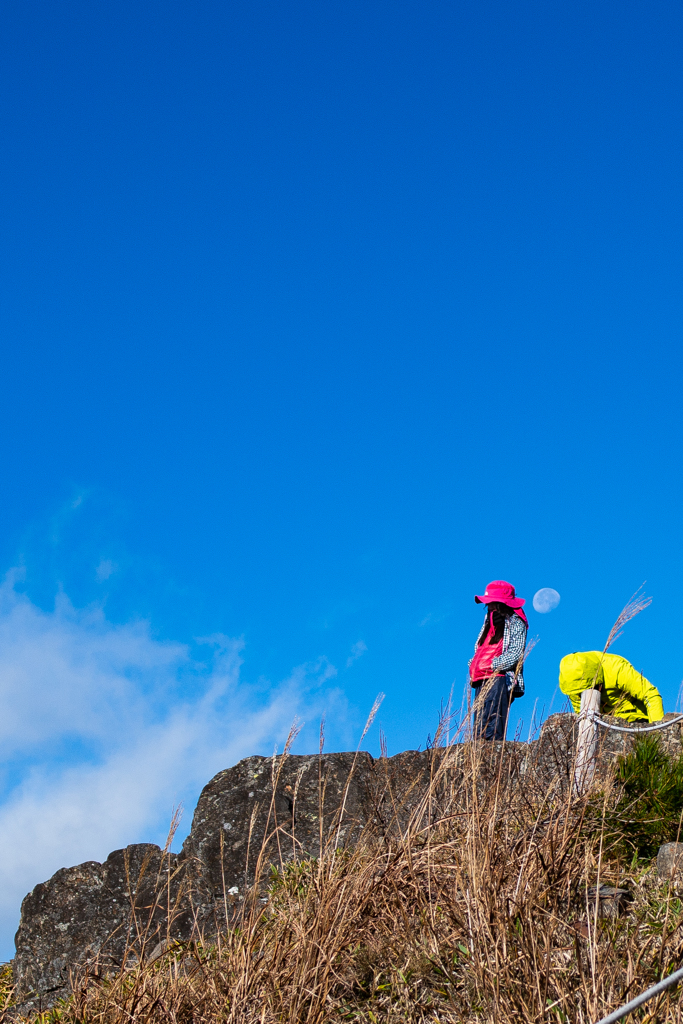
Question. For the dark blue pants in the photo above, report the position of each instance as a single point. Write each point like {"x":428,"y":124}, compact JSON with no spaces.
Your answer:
{"x":491,"y":721}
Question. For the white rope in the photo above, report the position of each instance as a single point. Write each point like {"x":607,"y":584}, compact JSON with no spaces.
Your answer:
{"x":639,"y":728}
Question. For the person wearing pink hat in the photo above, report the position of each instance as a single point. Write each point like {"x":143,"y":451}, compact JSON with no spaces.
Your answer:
{"x":496,"y":670}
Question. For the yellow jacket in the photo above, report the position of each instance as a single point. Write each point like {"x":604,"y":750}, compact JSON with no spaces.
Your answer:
{"x":624,"y":692}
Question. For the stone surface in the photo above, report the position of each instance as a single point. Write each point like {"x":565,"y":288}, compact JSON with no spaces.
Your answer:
{"x":246,"y":814}
{"x":612,"y":902}
{"x":670,"y":861}
{"x":263,"y":811}
{"x":103,"y":914}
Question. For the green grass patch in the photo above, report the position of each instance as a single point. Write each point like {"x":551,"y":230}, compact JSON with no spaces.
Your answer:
{"x":648,"y":812}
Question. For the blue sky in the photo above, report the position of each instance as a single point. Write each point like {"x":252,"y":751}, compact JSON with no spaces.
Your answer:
{"x":316,"y":317}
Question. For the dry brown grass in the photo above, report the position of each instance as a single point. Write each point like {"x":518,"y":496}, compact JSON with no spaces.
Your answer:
{"x":474,"y":909}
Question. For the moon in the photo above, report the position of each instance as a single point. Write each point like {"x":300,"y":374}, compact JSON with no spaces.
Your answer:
{"x":546,"y":599}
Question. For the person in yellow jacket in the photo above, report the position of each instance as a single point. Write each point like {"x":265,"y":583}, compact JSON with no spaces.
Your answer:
{"x":623,"y":691}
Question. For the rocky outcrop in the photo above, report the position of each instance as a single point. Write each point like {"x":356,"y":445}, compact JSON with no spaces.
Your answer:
{"x":262,"y":811}
{"x":103,"y":913}
{"x":259,"y":808}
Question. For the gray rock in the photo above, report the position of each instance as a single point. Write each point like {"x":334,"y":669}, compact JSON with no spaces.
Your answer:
{"x":102,"y":915}
{"x":265,"y":808}
{"x":259,"y":813}
{"x":612,"y":902}
{"x":670,"y":861}
{"x":267,"y":811}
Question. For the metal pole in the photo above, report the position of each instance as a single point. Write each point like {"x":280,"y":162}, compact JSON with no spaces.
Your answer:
{"x":587,"y":742}
{"x":661,"y":986}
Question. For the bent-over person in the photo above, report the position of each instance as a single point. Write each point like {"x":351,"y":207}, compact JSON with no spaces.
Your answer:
{"x":624,"y":692}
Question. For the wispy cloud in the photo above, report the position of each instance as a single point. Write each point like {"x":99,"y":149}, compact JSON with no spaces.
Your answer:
{"x":104,"y":729}
{"x":433,"y":618}
{"x":357,"y":651}
{"x":105,"y":569}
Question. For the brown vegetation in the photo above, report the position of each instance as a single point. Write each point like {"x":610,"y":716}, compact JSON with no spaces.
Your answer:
{"x":476,"y":908}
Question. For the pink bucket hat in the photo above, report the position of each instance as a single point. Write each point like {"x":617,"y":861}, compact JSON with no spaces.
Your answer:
{"x":499,"y":590}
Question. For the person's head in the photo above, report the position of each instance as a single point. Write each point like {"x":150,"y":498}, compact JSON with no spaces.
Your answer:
{"x":502,"y":593}
{"x":579,"y":671}
{"x":504,"y":609}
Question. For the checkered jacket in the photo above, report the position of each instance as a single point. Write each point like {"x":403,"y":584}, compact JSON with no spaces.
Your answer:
{"x":514,"y":641}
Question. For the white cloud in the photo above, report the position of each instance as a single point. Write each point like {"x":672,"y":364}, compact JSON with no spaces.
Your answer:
{"x":433,"y":618}
{"x":105,"y":569}
{"x":357,"y":651}
{"x":104,"y":729}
